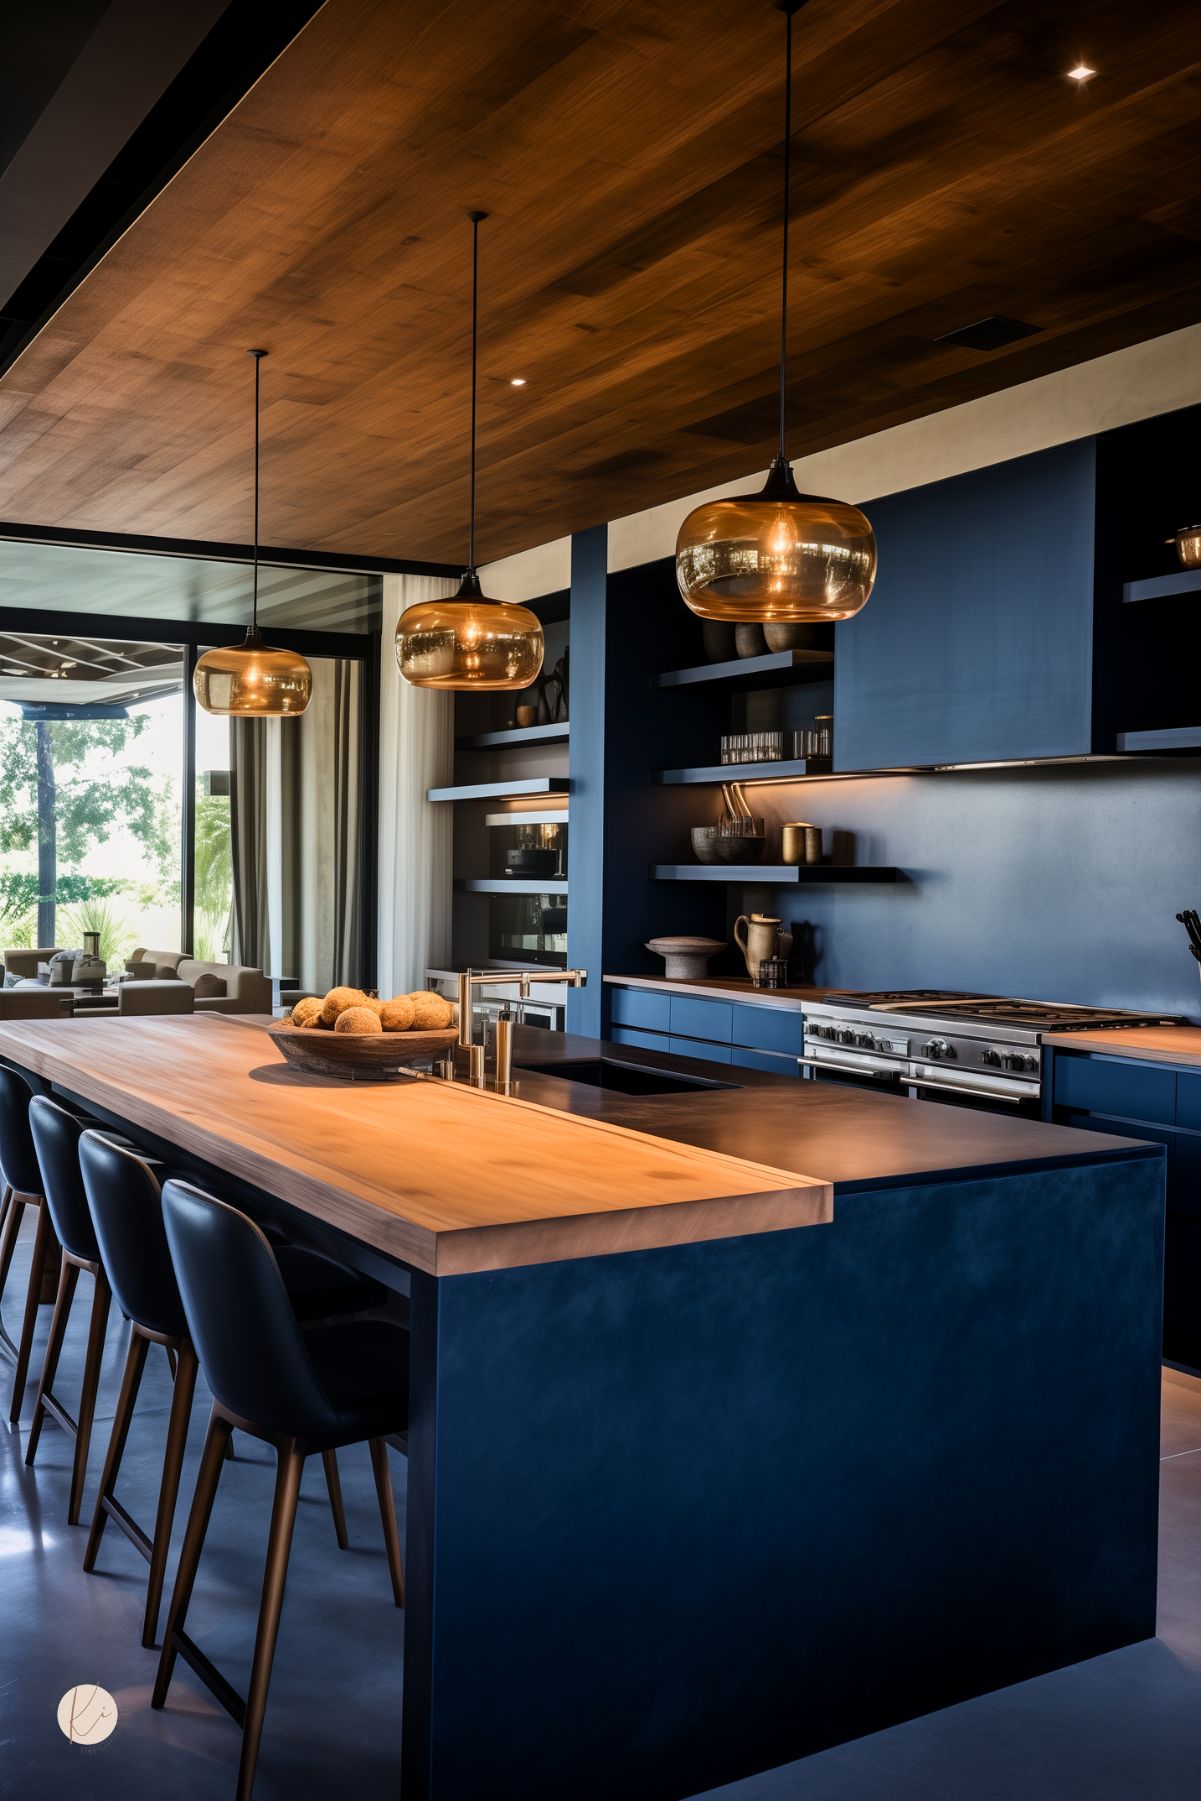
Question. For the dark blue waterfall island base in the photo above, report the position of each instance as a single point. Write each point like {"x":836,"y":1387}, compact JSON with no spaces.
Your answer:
{"x":685,"y":1514}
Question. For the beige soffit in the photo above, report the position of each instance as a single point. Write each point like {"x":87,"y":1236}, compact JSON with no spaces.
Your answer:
{"x":1127,"y":385}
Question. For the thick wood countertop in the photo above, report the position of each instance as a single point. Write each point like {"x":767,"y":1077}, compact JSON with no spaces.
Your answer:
{"x":1155,"y":1044}
{"x":450,"y":1180}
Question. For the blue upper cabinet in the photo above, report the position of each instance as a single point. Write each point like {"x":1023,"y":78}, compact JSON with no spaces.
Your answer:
{"x":976,"y":645}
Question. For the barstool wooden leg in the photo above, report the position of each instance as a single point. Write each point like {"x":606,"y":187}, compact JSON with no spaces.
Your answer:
{"x":87,"y":1396}
{"x":177,"y":1438}
{"x":207,"y":1477}
{"x":13,"y":1214}
{"x":68,"y":1277}
{"x":44,"y":1246}
{"x":387,"y":1511}
{"x":279,"y":1544}
{"x":333,"y":1483}
{"x":6,"y":1201}
{"x":135,"y":1363}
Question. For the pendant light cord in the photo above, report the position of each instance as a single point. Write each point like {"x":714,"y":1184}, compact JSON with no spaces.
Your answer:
{"x":475,"y":217}
{"x":258,"y":356}
{"x":789,"y":8}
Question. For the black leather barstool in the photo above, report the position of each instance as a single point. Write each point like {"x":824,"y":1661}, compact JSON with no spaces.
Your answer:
{"x":56,"y":1132}
{"x":299,"y":1391}
{"x":23,"y":1181}
{"x":124,"y":1197}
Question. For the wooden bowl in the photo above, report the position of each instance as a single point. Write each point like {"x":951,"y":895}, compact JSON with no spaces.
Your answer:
{"x":357,"y":1056}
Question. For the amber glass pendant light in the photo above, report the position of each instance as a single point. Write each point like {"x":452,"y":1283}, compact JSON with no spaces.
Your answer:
{"x":780,"y":554}
{"x":469,"y":641}
{"x":251,"y":679}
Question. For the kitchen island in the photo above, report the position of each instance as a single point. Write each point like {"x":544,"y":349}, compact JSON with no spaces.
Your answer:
{"x":693,"y":1497}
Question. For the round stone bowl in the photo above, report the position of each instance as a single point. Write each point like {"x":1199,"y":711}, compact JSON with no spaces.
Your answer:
{"x":686,"y":959}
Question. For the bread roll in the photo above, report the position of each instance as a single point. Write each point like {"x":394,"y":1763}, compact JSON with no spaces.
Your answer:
{"x":430,"y":1012}
{"x":359,"y":1020}
{"x":396,"y":1015}
{"x":337,"y":1001}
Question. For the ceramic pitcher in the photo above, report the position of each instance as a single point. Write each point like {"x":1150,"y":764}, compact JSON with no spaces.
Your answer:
{"x":757,"y":938}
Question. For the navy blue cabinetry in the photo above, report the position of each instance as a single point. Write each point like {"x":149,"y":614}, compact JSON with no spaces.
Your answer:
{"x":750,"y":1035}
{"x":977,"y":643}
{"x":1158,"y":1102}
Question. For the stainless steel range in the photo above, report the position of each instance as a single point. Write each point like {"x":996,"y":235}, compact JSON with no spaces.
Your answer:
{"x":969,"y":1047}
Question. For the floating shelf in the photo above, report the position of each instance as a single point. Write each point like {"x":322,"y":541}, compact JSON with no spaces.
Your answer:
{"x":1172,"y":737}
{"x":768,"y":671}
{"x":533,"y":786}
{"x":1164,"y":587}
{"x":528,"y":816}
{"x":783,"y":769}
{"x":555,"y":884}
{"x":746,"y":873}
{"x":515,"y":737}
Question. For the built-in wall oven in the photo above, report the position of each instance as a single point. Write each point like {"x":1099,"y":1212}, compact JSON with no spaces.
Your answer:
{"x":967,"y":1050}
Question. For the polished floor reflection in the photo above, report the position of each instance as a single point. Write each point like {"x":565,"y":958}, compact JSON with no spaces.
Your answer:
{"x":1118,"y":1726}
{"x":333,"y":1717}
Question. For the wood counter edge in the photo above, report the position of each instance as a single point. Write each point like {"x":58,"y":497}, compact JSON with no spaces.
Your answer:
{"x":475,"y":1250}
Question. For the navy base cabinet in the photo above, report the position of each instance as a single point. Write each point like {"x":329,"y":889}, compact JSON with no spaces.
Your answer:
{"x":1162,"y":1104}
{"x":745,"y":1034}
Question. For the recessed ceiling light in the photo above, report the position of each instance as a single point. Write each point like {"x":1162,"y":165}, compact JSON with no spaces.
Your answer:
{"x":1081,"y":73}
{"x":517,"y":381}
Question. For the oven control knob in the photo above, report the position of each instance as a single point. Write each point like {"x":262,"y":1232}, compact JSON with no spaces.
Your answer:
{"x":934,"y":1048}
{"x":993,"y":1058}
{"x":1019,"y":1062}
{"x":866,"y":1040}
{"x":846,"y":1037}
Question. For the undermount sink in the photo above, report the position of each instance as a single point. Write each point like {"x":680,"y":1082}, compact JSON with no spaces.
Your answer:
{"x":622,"y":1077}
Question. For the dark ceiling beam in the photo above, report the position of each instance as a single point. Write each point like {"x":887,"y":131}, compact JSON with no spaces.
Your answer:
{"x":147,"y":84}
{"x":119,"y":66}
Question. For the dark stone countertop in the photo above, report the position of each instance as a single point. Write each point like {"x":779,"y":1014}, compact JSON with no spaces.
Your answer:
{"x":841,"y":1134}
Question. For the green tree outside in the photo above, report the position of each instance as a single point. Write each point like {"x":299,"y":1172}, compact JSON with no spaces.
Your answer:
{"x":63,"y":792}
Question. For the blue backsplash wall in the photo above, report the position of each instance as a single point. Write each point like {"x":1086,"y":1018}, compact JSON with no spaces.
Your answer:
{"x":1057,"y":883}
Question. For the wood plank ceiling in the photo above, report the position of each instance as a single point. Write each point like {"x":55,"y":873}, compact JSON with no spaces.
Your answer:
{"x":628,"y":152}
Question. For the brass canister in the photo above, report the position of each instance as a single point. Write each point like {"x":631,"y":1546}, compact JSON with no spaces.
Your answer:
{"x":793,"y":838}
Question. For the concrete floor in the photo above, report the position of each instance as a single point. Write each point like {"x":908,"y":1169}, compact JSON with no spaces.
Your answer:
{"x":1114,"y":1728}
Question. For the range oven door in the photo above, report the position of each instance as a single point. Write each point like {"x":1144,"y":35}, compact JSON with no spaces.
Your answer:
{"x":964,"y":1088}
{"x":838,"y":1064}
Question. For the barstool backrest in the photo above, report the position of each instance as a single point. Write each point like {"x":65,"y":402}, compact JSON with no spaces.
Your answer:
{"x":126,"y":1205}
{"x":56,"y":1133}
{"x":251,"y":1350}
{"x":18,"y":1158}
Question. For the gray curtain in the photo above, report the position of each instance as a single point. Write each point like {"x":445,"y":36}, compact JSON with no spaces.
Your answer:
{"x":298,"y":834}
{"x":415,"y":836}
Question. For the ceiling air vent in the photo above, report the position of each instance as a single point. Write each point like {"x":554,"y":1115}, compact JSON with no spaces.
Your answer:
{"x":992,"y":333}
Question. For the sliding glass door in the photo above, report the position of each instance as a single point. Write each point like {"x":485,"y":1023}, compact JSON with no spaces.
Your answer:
{"x":91,"y":752}
{"x":126,"y":810}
